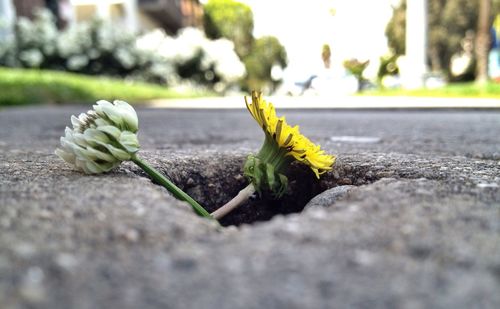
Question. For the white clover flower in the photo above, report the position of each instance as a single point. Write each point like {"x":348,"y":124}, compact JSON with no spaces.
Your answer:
{"x":102,"y":138}
{"x":107,"y":135}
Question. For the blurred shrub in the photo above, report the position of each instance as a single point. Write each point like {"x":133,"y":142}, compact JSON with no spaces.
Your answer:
{"x":94,"y":48}
{"x":210,"y":63}
{"x":98,"y":48}
{"x":232,"y":20}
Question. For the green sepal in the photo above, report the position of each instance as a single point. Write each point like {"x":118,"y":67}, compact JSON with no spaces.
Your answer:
{"x":264,"y":177}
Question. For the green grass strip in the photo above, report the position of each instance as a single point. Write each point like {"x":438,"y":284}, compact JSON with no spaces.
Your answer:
{"x":454,"y":90}
{"x":31,"y":86}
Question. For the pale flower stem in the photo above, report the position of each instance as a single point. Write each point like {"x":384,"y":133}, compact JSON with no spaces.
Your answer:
{"x":170,"y":186}
{"x":239,"y":199}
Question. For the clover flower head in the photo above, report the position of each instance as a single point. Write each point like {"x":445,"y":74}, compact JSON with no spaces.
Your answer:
{"x":101,"y":138}
{"x":283,"y":144}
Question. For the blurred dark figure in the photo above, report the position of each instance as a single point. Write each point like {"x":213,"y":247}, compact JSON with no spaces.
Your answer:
{"x":305,"y":85}
{"x":53,"y":6}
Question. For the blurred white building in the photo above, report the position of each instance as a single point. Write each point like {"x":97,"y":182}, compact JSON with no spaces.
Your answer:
{"x":123,"y":13}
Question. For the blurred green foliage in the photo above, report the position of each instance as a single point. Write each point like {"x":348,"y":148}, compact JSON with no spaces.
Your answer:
{"x":387,"y":66}
{"x":31,"y":86}
{"x":448,"y":23}
{"x":234,"y":20}
{"x":356,"y":68}
{"x":267,"y":52}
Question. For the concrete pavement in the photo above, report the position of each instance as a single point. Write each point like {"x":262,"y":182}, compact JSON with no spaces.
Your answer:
{"x":418,"y":228}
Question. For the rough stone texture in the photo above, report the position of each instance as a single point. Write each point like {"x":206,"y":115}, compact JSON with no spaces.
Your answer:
{"x":419,"y":228}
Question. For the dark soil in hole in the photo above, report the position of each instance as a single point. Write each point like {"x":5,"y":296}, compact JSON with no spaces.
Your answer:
{"x":214,"y":180}
{"x":303,"y":186}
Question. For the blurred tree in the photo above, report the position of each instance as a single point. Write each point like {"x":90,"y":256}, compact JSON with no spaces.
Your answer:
{"x":326,"y":55}
{"x":485,"y":21}
{"x":448,"y":20}
{"x":396,"y":28}
{"x":232,"y":20}
{"x":267,"y":52}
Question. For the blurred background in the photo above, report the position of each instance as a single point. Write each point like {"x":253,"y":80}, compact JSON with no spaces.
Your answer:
{"x":66,"y":51}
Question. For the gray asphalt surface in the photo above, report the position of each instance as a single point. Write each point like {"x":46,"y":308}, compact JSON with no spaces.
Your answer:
{"x":468,"y":133}
{"x":417,"y":226}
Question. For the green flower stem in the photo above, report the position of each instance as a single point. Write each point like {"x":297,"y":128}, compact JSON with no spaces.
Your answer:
{"x":242,"y":196}
{"x":176,"y":191}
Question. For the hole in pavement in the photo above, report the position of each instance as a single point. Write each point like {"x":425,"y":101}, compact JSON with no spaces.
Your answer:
{"x":214,"y":180}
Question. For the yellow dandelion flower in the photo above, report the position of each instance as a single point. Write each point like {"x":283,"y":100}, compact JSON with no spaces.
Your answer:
{"x":283,"y":144}
{"x":288,"y":138}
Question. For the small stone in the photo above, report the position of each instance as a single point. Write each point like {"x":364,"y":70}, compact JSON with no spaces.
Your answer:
{"x":101,"y":216}
{"x":190,"y":182}
{"x":329,"y":197}
{"x":32,"y":289}
{"x":45,"y":214}
{"x":140,"y":211}
{"x":487,"y":185}
{"x":317,"y":213}
{"x":66,"y":261}
{"x":336,"y":174}
{"x":356,"y":139}
{"x":132,"y":235}
{"x":407,"y":229}
{"x":4,"y":262}
{"x":33,"y":294}
{"x":292,"y":227}
{"x":345,"y":181}
{"x":353,"y":208}
{"x":363,"y":258}
{"x":34,"y":275}
{"x":231,"y":229}
{"x":5,"y":222}
{"x":24,"y":250}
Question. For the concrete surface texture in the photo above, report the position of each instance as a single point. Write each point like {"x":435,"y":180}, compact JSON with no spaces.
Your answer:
{"x":410,"y":217}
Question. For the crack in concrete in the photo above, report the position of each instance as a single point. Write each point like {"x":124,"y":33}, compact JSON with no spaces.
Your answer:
{"x":214,"y":178}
